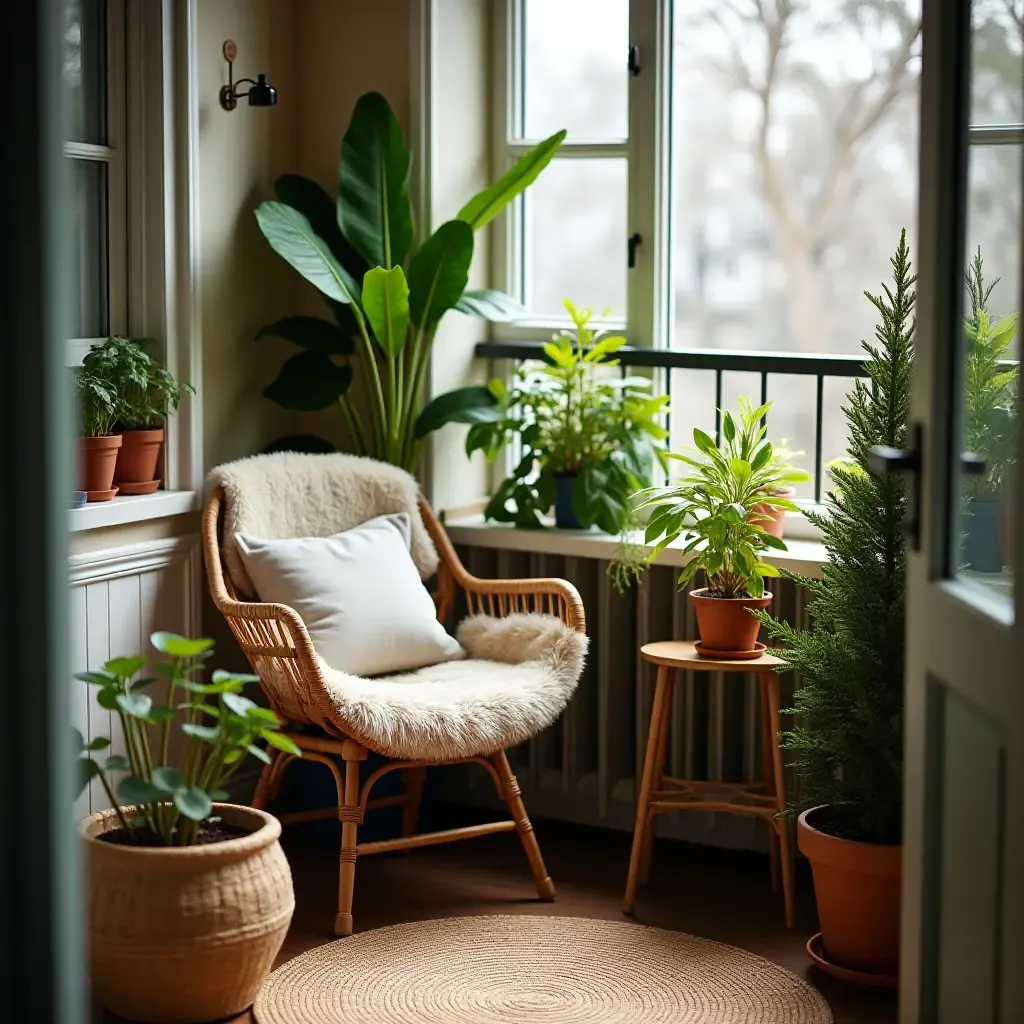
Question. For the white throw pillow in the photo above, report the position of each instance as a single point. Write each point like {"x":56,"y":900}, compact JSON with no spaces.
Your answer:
{"x":358,"y":593}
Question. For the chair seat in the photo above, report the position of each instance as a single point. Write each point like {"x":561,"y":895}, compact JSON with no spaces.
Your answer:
{"x":519,"y":676}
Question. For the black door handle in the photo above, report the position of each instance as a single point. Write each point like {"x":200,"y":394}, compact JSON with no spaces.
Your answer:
{"x":883,"y":460}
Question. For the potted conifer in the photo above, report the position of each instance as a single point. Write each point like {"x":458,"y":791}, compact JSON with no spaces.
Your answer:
{"x":850,"y":704}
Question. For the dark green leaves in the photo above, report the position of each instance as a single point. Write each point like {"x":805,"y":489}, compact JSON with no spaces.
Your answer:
{"x":474,"y":404}
{"x":439,"y":272}
{"x":311,"y":333}
{"x":386,"y":303}
{"x":374,"y":209}
{"x":137,"y":705}
{"x":193,"y":803}
{"x":133,"y":790}
{"x":486,"y":205}
{"x":292,"y":237}
{"x":124,"y":666}
{"x":308,"y":382}
{"x":491,"y":305}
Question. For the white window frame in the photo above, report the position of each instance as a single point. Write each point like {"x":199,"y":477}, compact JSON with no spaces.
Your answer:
{"x":155,"y":152}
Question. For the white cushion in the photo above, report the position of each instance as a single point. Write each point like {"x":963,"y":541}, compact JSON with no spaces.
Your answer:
{"x":358,"y":593}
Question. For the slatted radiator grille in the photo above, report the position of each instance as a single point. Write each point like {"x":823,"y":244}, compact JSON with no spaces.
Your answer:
{"x":585,"y":768}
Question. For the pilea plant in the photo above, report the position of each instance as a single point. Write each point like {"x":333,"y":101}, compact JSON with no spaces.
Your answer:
{"x":159,"y":803}
{"x":574,"y":419}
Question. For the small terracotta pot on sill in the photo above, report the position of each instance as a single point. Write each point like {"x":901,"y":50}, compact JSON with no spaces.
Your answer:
{"x":135,"y":472}
{"x":97,"y":459}
{"x":772,"y":520}
{"x":857,"y":888}
{"x":725,"y":623}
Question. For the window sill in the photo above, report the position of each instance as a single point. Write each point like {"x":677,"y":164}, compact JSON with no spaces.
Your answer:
{"x":131,"y":509}
{"x":803,"y":556}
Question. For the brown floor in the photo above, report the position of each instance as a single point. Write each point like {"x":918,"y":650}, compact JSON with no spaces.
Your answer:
{"x":718,"y":894}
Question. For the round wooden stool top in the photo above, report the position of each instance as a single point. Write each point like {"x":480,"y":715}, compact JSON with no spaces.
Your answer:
{"x":683,"y":654}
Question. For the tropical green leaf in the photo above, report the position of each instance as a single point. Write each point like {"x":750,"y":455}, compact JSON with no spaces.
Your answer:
{"x":207,"y":733}
{"x":308,"y":382}
{"x":486,"y":205}
{"x":96,"y":678}
{"x":491,"y":305}
{"x":311,"y":333}
{"x":386,"y":303}
{"x":107,"y":698}
{"x":473,"y":404}
{"x":169,"y":779}
{"x":194,"y":803}
{"x":138,"y":705}
{"x":439,"y":272}
{"x":88,"y":770}
{"x":180,"y":646}
{"x":374,"y":209}
{"x":292,"y":237}
{"x":124,"y":666}
{"x":133,"y":790}
{"x":259,"y":753}
{"x":220,"y":676}
{"x":117,"y":763}
{"x":705,"y":442}
{"x":281,"y":742}
{"x":99,"y":743}
{"x":238,"y":704}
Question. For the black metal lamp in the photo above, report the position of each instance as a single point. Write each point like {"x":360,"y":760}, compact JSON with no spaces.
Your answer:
{"x":261,"y":93}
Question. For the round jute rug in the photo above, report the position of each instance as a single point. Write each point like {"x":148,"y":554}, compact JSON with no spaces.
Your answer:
{"x":541,"y":970}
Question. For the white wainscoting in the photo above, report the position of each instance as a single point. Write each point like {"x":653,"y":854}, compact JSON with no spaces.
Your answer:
{"x":119,"y":597}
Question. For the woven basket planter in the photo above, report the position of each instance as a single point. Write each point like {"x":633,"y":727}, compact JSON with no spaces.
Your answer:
{"x":185,"y":934}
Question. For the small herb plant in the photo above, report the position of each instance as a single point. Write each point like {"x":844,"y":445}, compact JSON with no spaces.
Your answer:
{"x":574,"y":418}
{"x":97,"y":403}
{"x":161,"y":804}
{"x":990,"y":386}
{"x":145,"y":392}
{"x":716,"y":503}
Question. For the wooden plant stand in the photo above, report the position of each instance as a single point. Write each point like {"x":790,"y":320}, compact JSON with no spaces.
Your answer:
{"x":660,"y":793}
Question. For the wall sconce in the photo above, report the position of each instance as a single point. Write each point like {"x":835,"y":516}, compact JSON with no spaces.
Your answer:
{"x":261,"y":93}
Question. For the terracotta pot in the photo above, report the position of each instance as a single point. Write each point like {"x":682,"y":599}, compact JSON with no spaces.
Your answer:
{"x":98,"y":458}
{"x":857,"y":887}
{"x":771,"y":520}
{"x":185,"y":933}
{"x":136,"y":465}
{"x":724,"y":623}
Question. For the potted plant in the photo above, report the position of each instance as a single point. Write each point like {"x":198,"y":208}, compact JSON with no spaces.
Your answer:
{"x":849,"y":730}
{"x":716,"y":506}
{"x":588,"y":439}
{"x":146,"y":395}
{"x":188,"y":897}
{"x":98,"y":444}
{"x":991,"y":384}
{"x":387,"y":294}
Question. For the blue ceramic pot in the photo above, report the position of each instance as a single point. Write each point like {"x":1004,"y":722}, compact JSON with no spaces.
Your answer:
{"x":565,"y":518}
{"x":982,"y":550}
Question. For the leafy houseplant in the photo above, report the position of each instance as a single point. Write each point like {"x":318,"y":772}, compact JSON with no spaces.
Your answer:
{"x":991,"y":387}
{"x":98,"y":444}
{"x":589,"y":439}
{"x":387,"y":294}
{"x":146,"y":395}
{"x":850,"y":705}
{"x":721,"y":505}
{"x":205,"y":888}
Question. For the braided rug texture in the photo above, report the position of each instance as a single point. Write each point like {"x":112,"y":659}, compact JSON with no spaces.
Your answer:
{"x":541,"y":970}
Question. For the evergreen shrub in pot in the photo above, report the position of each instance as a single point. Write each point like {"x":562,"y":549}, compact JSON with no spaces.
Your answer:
{"x":848,"y":734}
{"x":188,"y":898}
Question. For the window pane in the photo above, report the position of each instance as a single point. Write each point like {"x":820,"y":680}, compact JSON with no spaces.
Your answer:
{"x":575,"y":238}
{"x":85,"y":71}
{"x":997,"y":83}
{"x":89,"y":246}
{"x":575,"y":75}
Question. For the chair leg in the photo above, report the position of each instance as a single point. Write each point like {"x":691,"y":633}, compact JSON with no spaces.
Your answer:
{"x":414,"y":779}
{"x":351,"y":818}
{"x":270,"y":778}
{"x":511,"y":795}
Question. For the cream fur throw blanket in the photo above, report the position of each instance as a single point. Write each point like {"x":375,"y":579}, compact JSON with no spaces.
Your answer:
{"x":288,"y":494}
{"x":520,"y":674}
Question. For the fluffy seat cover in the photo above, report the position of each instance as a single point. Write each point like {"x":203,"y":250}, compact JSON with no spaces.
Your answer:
{"x":286,"y":495}
{"x":520,"y":674}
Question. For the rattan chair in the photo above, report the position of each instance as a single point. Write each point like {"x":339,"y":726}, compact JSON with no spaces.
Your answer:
{"x":278,"y":647}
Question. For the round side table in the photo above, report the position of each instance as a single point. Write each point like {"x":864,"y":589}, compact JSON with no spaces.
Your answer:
{"x":660,"y":793}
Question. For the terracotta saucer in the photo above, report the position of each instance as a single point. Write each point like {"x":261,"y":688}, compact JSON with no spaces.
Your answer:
{"x":707,"y":652}
{"x":816,"y":951}
{"x":100,"y":495}
{"x":146,"y":487}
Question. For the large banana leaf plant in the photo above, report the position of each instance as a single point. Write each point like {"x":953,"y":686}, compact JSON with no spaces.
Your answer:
{"x":387,"y":294}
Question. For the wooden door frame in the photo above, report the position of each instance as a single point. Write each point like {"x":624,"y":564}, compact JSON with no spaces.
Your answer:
{"x":41,"y":971}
